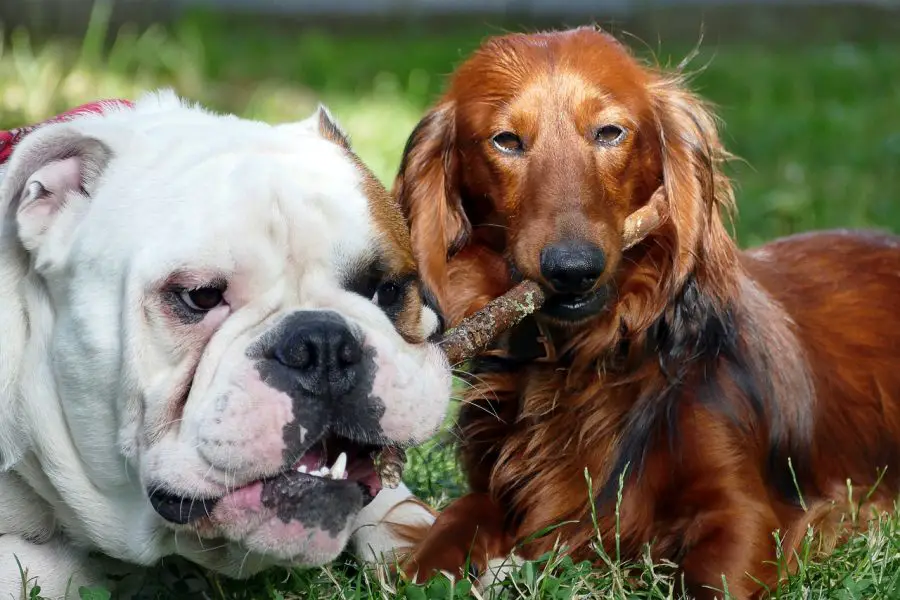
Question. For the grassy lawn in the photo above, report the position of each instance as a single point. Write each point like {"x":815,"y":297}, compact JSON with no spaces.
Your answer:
{"x":817,"y":127}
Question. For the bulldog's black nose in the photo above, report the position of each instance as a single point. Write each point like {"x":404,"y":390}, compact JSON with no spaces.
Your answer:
{"x":322,"y":349}
{"x":572,"y":267}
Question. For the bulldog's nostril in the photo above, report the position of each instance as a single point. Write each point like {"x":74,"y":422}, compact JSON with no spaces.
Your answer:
{"x":350,"y":353}
{"x":297,"y":355}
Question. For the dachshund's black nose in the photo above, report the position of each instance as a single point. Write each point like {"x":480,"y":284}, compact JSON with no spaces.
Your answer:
{"x":572,"y":267}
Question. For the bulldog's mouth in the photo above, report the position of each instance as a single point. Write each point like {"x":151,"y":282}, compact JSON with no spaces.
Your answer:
{"x":574,"y":308}
{"x":340,"y":459}
{"x":337,"y":460}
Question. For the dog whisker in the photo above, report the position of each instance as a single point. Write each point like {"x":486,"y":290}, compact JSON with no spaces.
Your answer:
{"x":495,"y":225}
{"x":244,"y":562}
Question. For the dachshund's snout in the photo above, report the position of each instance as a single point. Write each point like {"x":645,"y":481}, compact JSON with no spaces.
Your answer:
{"x":572,"y":266}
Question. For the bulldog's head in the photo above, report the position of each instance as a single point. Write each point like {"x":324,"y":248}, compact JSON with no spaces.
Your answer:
{"x":221,"y":325}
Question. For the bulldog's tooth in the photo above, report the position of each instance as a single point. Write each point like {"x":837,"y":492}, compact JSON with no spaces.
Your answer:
{"x":324,"y":472}
{"x":301,"y":469}
{"x":339,"y":467}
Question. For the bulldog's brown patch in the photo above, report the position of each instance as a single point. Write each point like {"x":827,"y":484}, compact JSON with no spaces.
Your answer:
{"x":331,"y":131}
{"x":386,"y":212}
{"x":408,"y":321}
{"x":396,"y":246}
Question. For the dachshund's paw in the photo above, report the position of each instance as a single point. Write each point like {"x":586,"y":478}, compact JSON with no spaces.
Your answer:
{"x":496,"y":571}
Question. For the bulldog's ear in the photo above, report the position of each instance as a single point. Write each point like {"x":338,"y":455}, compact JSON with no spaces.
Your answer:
{"x":51,"y":175}
{"x":329,"y":128}
{"x":321,"y":122}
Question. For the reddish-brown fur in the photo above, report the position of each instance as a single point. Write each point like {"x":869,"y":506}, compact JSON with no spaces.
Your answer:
{"x":709,"y":368}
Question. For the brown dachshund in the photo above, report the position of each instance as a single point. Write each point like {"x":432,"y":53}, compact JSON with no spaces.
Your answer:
{"x":732,"y":392}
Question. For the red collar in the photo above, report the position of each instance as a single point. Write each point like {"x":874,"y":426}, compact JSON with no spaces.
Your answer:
{"x":9,"y":139}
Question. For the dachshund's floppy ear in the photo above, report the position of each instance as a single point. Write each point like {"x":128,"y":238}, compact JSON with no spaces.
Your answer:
{"x":698,"y":193}
{"x":428,"y":191}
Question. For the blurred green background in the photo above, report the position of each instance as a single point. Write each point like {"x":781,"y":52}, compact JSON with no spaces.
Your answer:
{"x":810,"y":95}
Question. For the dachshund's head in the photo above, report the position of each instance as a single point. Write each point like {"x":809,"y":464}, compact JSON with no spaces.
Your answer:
{"x":535,"y":158}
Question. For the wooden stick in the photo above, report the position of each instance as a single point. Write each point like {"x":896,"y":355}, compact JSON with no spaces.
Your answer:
{"x":644,"y":220}
{"x":389,"y":466}
{"x":477,"y":330}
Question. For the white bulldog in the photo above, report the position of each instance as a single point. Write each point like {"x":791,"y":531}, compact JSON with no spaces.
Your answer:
{"x":209,"y":327}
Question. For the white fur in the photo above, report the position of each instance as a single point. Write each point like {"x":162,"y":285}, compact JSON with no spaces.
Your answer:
{"x":496,"y":572}
{"x":374,"y":540}
{"x":89,"y":366}
{"x":430,"y":323}
{"x":58,"y":567}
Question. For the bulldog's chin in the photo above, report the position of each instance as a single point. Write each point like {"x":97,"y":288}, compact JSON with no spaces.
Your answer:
{"x":292,"y":519}
{"x":302,"y":515}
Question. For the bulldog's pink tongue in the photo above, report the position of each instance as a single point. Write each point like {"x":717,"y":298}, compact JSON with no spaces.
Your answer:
{"x":245,"y":498}
{"x":368,"y":478}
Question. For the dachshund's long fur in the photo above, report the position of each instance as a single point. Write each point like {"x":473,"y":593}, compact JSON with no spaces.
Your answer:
{"x":733,"y":392}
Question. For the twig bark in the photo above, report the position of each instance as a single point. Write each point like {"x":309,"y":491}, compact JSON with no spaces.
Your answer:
{"x":476,"y":331}
{"x":389,"y":466}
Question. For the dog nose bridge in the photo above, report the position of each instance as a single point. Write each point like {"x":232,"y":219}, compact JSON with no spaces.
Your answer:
{"x":563,"y":173}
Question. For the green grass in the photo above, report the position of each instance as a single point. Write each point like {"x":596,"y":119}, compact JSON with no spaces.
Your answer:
{"x":817,"y":127}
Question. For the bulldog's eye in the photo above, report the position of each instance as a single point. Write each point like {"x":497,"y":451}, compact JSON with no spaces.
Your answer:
{"x":202,"y":299}
{"x":388,"y":294}
{"x":609,"y":135}
{"x":508,"y":143}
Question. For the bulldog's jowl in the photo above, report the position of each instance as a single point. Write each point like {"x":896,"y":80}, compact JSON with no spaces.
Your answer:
{"x":296,"y":497}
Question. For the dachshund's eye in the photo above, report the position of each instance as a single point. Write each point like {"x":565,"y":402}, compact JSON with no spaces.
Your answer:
{"x":609,"y":135}
{"x":508,"y":143}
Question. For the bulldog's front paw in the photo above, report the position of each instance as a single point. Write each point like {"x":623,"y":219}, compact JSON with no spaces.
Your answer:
{"x":58,"y":568}
{"x":388,"y":527}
